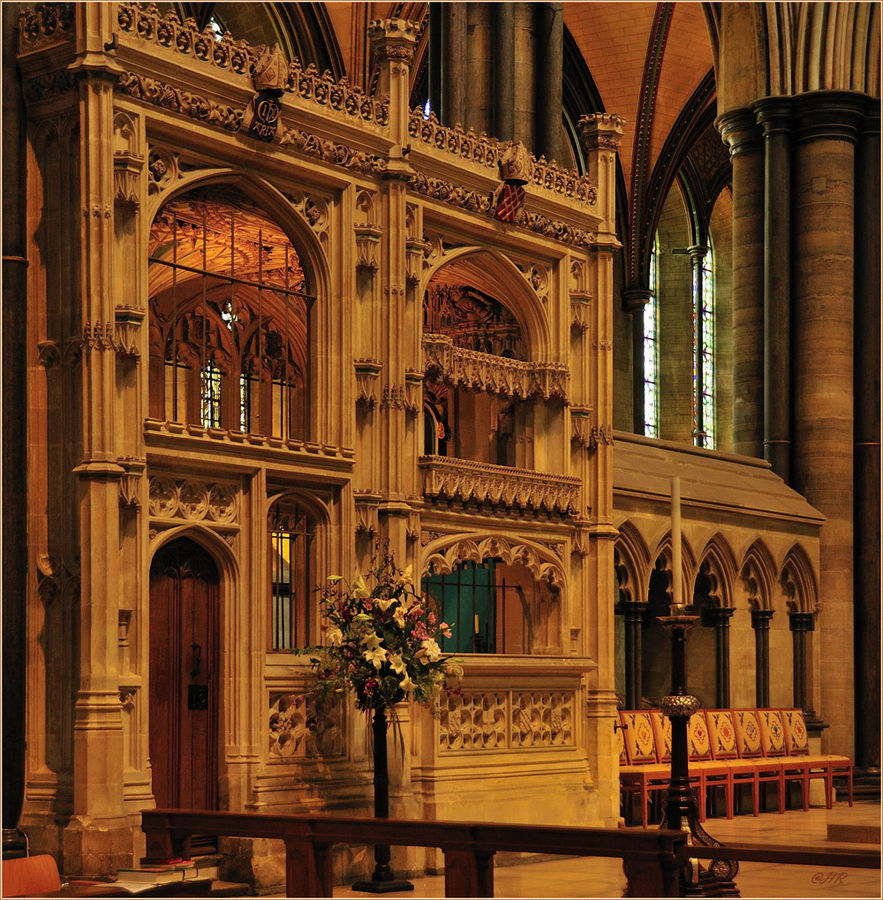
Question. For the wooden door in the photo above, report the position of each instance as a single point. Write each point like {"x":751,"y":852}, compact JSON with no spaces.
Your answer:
{"x":183,"y":712}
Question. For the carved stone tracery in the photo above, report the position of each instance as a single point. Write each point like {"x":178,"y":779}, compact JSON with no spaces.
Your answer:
{"x":506,"y":720}
{"x":193,"y":500}
{"x":297,"y":730}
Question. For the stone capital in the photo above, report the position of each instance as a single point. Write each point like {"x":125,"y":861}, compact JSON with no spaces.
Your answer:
{"x":801,"y":621}
{"x":601,"y":131}
{"x":774,"y":114}
{"x":740,"y":131}
{"x":760,"y":619}
{"x":635,"y":299}
{"x":393,"y":39}
{"x":718,"y":616}
{"x":829,"y":115}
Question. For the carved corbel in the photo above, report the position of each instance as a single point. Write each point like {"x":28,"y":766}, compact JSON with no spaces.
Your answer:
{"x":367,"y":245}
{"x":366,"y":505}
{"x":99,"y":336}
{"x":126,"y":178}
{"x":413,"y":391}
{"x":580,"y":304}
{"x":580,"y":425}
{"x":130,"y":482}
{"x":415,"y":253}
{"x":49,"y":353}
{"x":600,"y":434}
{"x":367,"y":373}
{"x":128,"y":324}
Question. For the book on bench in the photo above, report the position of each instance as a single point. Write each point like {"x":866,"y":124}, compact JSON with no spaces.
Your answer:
{"x":162,"y":874}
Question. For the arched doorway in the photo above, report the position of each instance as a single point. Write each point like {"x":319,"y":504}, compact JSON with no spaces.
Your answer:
{"x":184,"y":676}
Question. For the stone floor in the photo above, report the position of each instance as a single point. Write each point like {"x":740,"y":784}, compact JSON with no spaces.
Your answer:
{"x":603,"y":878}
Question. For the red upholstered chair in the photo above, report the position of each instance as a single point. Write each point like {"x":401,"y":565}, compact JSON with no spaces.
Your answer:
{"x":750,"y":746}
{"x":725,"y":748}
{"x":816,"y":765}
{"x":772,"y":737}
{"x":643,"y":773}
{"x":710,"y":772}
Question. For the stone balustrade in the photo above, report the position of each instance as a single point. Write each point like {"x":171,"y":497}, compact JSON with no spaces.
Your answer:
{"x":484,"y":483}
{"x":494,"y":374}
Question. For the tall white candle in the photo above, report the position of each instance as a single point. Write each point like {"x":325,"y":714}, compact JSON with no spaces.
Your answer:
{"x":677,"y":594}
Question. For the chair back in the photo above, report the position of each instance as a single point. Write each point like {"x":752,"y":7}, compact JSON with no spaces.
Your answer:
{"x":748,"y":740}
{"x":30,"y":876}
{"x":722,"y":733}
{"x":698,"y":741}
{"x":662,"y":732}
{"x":796,"y":737}
{"x":639,"y":743}
{"x":772,"y":732}
{"x":620,"y":742}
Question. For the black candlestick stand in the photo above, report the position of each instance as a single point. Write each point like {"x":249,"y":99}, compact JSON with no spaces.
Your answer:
{"x":681,"y":813}
{"x":382,"y":880}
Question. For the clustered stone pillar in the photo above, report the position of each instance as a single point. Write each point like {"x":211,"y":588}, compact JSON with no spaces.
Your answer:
{"x":719,"y":618}
{"x":760,"y":622}
{"x":867,"y":447}
{"x":823,"y":209}
{"x":774,"y":115}
{"x":801,"y":623}
{"x":633,"y":613}
{"x":742,"y":133}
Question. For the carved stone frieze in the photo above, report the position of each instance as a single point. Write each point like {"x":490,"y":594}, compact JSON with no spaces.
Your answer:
{"x":474,"y":721}
{"x":48,"y":84}
{"x":45,"y":25}
{"x":489,"y":152}
{"x":493,"y":374}
{"x":149,"y":24}
{"x":193,"y":500}
{"x":297,"y":730}
{"x":98,"y":336}
{"x":456,"y":195}
{"x":367,"y":373}
{"x":336,"y":154}
{"x":512,"y":550}
{"x":483,"y":483}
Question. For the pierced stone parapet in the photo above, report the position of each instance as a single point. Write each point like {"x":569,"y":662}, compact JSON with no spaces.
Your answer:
{"x":489,"y":152}
{"x":474,"y":721}
{"x":495,"y":374}
{"x":465,"y":480}
{"x":149,"y":24}
{"x":297,"y":730}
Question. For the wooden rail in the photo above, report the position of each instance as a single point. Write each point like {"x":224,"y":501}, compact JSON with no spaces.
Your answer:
{"x":841,"y":857}
{"x":650,"y":858}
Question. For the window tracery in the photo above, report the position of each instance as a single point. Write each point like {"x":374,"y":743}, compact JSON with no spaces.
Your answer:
{"x":651,"y":350}
{"x":228,"y":318}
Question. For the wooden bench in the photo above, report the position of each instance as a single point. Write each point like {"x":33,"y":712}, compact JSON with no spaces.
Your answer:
{"x":649,"y":857}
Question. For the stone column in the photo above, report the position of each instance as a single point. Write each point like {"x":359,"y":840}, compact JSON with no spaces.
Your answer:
{"x":739,"y":129}
{"x":454,"y":86}
{"x":97,"y":838}
{"x":774,"y":115}
{"x":719,"y":618}
{"x":550,"y":62}
{"x":867,"y":446}
{"x":760,"y":622}
{"x":635,"y":300}
{"x":633,"y":613}
{"x":503,"y":26}
{"x":15,"y":405}
{"x":822,"y":341}
{"x":800,"y":623}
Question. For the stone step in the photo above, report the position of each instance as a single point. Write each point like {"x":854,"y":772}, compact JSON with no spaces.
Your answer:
{"x":230,"y":889}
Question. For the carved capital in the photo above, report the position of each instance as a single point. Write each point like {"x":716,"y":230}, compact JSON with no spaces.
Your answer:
{"x":580,"y":425}
{"x":580,"y":306}
{"x":413,"y":391}
{"x":367,"y":246}
{"x":601,"y":131}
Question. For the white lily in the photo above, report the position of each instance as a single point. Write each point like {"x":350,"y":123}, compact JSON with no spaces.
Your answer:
{"x":406,"y":684}
{"x":376,"y":656}
{"x":396,"y":663}
{"x":335,"y":636}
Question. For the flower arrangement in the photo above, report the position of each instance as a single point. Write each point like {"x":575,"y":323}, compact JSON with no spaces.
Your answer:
{"x":381,"y":640}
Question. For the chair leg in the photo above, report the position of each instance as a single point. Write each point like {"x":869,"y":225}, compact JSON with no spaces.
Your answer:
{"x":755,"y":795}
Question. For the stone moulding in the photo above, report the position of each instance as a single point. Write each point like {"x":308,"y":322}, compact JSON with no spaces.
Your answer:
{"x":465,"y":480}
{"x":489,"y":151}
{"x":45,"y":25}
{"x":149,"y":24}
{"x":494,"y":374}
{"x":506,"y":720}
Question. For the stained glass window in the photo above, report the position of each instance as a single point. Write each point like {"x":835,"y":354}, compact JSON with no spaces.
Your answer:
{"x":651,"y":351}
{"x":703,"y":351}
{"x":210,"y":396}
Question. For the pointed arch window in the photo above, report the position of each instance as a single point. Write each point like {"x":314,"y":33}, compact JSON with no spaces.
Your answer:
{"x":229,"y":318}
{"x":291,"y":532}
{"x":703,"y":348}
{"x":651,"y":349}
